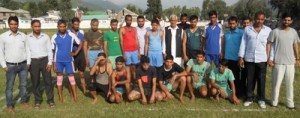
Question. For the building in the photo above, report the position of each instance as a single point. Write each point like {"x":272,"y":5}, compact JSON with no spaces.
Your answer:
{"x":22,"y":13}
{"x":104,"y":21}
{"x":6,"y":13}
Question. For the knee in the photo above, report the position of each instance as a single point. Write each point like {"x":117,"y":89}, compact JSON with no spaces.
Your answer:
{"x":112,"y":98}
{"x":118,"y":99}
{"x":131,"y":97}
{"x":189,"y":79}
{"x":183,"y":79}
{"x":203,"y":92}
{"x":159,"y":97}
{"x":214,"y":91}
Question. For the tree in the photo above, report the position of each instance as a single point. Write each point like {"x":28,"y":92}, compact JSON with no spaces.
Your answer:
{"x":134,"y":9}
{"x":52,"y":4}
{"x":10,"y":4}
{"x":250,"y":7}
{"x":65,"y":7}
{"x":154,"y":8}
{"x":292,"y":6}
{"x":218,"y":5}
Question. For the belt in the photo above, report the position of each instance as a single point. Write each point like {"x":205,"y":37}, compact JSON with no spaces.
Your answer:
{"x":38,"y":58}
{"x":16,"y":63}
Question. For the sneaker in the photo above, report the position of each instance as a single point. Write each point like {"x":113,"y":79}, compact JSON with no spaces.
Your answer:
{"x":247,"y":103}
{"x":37,"y":106}
{"x":262,"y":104}
{"x":51,"y":105}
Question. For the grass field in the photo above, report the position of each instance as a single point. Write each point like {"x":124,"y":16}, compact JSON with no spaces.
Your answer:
{"x":202,"y":107}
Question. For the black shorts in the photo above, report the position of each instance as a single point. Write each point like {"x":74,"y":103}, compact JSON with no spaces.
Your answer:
{"x":191,"y":53}
{"x":79,"y":61}
{"x":147,"y":91}
{"x":98,"y":87}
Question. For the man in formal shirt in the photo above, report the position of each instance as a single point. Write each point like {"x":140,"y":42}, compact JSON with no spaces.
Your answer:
{"x":39,"y":46}
{"x":253,"y":55}
{"x":141,"y":30}
{"x":15,"y":60}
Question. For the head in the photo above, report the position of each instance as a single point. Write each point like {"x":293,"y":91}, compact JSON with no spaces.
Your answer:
{"x":145,"y":62}
{"x":232,"y":22}
{"x":200,"y":56}
{"x":287,"y":19}
{"x":155,"y":24}
{"x":193,"y":21}
{"x":36,"y":26}
{"x":94,"y":24}
{"x":223,"y":65}
{"x":259,"y":19}
{"x":213,"y":16}
{"x":173,"y":20}
{"x":13,"y":23}
{"x":75,"y":23}
{"x":120,"y":63}
{"x":140,"y":21}
{"x":101,"y":58}
{"x":114,"y":24}
{"x":62,"y":26}
{"x":169,"y":61}
{"x":246,"y":21}
{"x":183,"y":18}
{"x":128,"y":20}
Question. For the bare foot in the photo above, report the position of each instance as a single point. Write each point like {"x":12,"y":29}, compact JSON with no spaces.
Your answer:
{"x":126,"y":102}
{"x":217,"y":97}
{"x":95,"y":101}
{"x":193,"y":98}
{"x":181,"y":100}
{"x":76,"y":100}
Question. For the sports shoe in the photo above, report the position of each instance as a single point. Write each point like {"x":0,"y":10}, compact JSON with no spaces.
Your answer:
{"x":37,"y":106}
{"x":247,"y":103}
{"x":262,"y":104}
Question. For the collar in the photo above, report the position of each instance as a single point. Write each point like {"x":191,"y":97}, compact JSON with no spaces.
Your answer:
{"x":252,"y":27}
{"x":10,"y":33}
{"x":172,"y":28}
{"x":63,"y":36}
{"x":234,"y":31}
{"x":40,"y":36}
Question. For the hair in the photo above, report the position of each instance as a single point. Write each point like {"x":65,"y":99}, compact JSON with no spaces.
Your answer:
{"x":75,"y":19}
{"x":247,"y":18}
{"x":113,"y":21}
{"x":94,"y":20}
{"x":223,"y":62}
{"x":120,"y":59}
{"x":173,"y":16}
{"x":102,"y":54}
{"x":287,"y":14}
{"x":155,"y":21}
{"x":169,"y":57}
{"x":193,"y":17}
{"x":213,"y":12}
{"x":61,"y":21}
{"x":200,"y":52}
{"x":13,"y":18}
{"x":157,"y":16}
{"x":233,"y":18}
{"x":258,"y":14}
{"x":144,"y":59}
{"x":35,"y":21}
{"x":128,"y":16}
{"x":183,"y":15}
{"x":140,"y":17}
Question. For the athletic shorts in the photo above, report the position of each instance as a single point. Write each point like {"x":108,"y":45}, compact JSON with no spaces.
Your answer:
{"x":212,"y":58}
{"x":132,"y":58}
{"x":79,"y":61}
{"x":147,"y":91}
{"x":199,"y":84}
{"x":112,"y":60}
{"x":120,"y":89}
{"x":156,"y":58}
{"x":168,"y":85}
{"x":227,"y":90}
{"x":92,"y":56}
{"x":68,"y":66}
{"x":98,"y":87}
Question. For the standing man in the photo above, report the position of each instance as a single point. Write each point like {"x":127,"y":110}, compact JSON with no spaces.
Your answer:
{"x":93,"y":43}
{"x":184,"y":18}
{"x":213,"y":39}
{"x":112,"y":42}
{"x":285,"y":41}
{"x":63,"y":42}
{"x":232,"y":42}
{"x":79,"y":59}
{"x":14,"y":59}
{"x":192,"y":40}
{"x":246,"y":21}
{"x":141,"y":32}
{"x":253,"y":56}
{"x":173,"y":40}
{"x":39,"y":46}
{"x":129,"y":46}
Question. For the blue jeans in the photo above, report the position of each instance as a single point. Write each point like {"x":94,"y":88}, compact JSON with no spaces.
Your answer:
{"x":13,"y":70}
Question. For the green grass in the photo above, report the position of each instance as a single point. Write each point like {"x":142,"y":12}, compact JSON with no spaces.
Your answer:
{"x":200,"y":108}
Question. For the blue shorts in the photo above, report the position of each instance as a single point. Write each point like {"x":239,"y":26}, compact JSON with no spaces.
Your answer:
{"x":69,"y":67}
{"x":212,"y":58}
{"x":92,"y":56}
{"x":132,"y":58}
{"x":156,"y":58}
{"x":120,"y":89}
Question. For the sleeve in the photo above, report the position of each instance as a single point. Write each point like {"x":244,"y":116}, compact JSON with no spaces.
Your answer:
{"x":243,"y":45}
{"x":190,"y":63}
{"x":204,"y":31}
{"x":75,"y":38}
{"x":49,"y":50}
{"x":231,"y":76}
{"x":296,"y":37}
{"x":85,"y":36}
{"x":53,"y":43}
{"x":208,"y":68}
{"x":154,"y":73}
{"x":222,"y":30}
{"x":272,"y":52}
{"x":2,"y":58}
{"x":160,"y":74}
{"x":105,"y":37}
{"x":138,"y":73}
{"x":272,"y":36}
{"x":178,"y":68}
{"x":212,"y":75}
{"x":28,"y":52}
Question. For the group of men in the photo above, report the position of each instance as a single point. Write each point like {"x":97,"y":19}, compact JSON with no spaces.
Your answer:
{"x":150,"y":63}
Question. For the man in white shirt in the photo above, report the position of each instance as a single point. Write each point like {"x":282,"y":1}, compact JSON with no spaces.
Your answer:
{"x":141,"y":31}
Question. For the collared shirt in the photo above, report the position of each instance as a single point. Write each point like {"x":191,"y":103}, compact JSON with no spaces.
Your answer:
{"x":254,"y":44}
{"x":141,"y":32}
{"x":39,"y":47}
{"x":232,"y":44}
{"x":13,"y":48}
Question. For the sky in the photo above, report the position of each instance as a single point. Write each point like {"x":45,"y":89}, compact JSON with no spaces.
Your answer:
{"x":167,"y":3}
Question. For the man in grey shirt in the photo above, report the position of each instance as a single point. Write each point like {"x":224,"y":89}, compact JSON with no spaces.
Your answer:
{"x":282,"y":49}
{"x":39,"y":47}
{"x":14,"y":59}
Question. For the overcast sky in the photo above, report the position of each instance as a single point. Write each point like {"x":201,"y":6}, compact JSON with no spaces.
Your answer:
{"x":167,"y":3}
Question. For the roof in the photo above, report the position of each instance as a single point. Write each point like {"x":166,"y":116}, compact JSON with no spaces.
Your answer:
{"x":2,"y":9}
{"x":96,"y":13}
{"x":21,"y":11}
{"x":99,"y":17}
{"x":127,"y":11}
